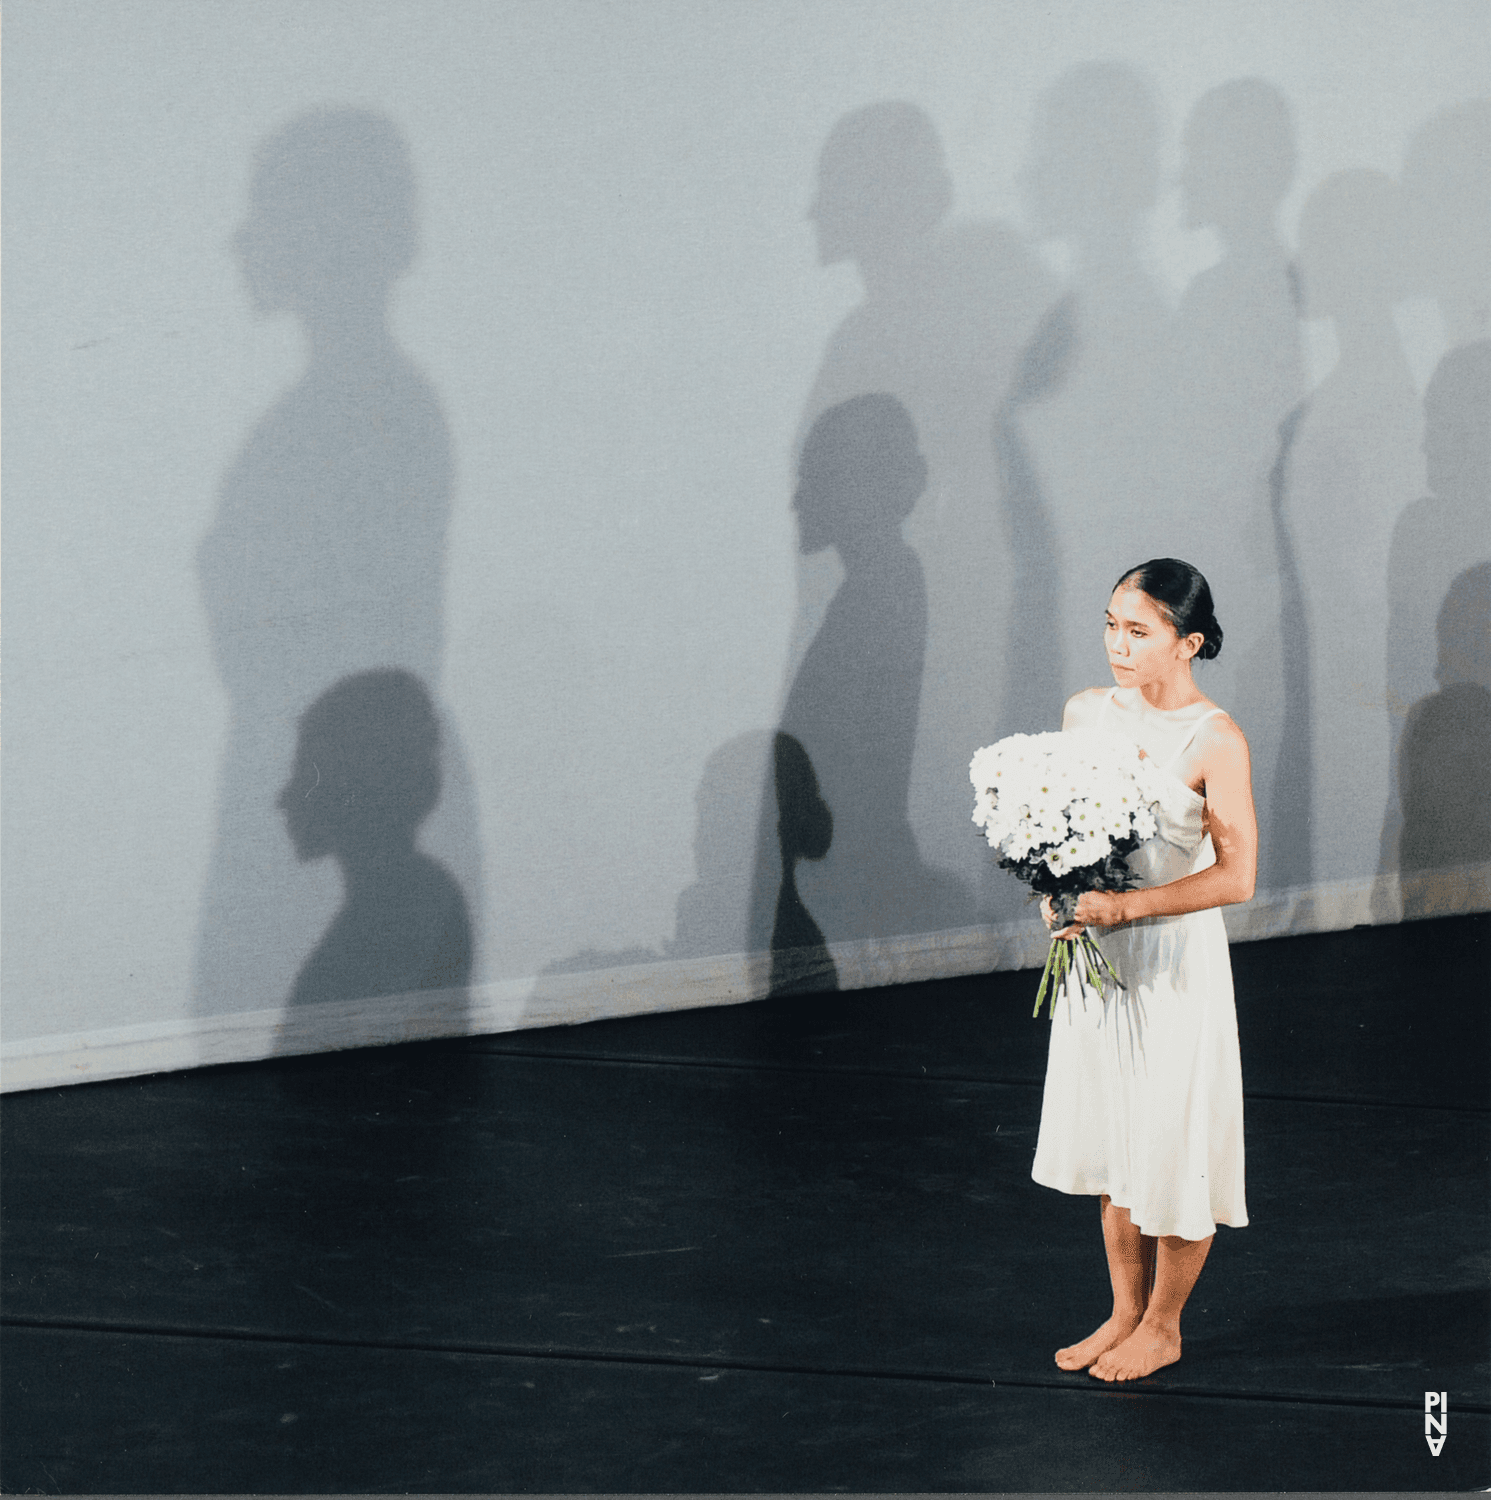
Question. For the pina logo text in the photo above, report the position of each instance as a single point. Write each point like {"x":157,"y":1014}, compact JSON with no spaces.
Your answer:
{"x":1436,"y":1400}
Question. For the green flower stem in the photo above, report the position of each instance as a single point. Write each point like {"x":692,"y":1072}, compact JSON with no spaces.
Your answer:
{"x":1079,"y":956}
{"x":1040,"y":994}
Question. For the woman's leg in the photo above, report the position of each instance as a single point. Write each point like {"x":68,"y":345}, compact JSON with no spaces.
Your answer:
{"x":1131,"y":1257}
{"x":1155,"y":1342}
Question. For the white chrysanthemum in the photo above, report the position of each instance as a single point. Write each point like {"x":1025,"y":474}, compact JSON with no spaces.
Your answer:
{"x":1092,"y":851}
{"x":1081,"y":814}
{"x":1115,"y":822}
{"x":1049,"y":831}
{"x":1064,"y":798}
{"x":987,"y":765}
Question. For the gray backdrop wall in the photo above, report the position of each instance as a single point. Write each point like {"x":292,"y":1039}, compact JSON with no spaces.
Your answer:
{"x":522,"y":511}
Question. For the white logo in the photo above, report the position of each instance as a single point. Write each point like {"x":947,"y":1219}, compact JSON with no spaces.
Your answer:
{"x":1433,"y":1424}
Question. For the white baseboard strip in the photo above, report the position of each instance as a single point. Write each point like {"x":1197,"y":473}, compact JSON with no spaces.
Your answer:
{"x":672,"y":984}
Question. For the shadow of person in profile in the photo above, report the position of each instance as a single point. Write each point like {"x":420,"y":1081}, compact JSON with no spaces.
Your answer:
{"x":714,"y":911}
{"x":366,"y":775}
{"x":1436,"y":539}
{"x":1357,"y":463}
{"x":1446,"y":181}
{"x":849,"y":864}
{"x":1446,"y":752}
{"x":948,"y":304}
{"x":326,"y":555}
{"x":368,"y":1175}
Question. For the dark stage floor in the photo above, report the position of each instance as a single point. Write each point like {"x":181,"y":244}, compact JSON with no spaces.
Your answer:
{"x":785,"y":1246}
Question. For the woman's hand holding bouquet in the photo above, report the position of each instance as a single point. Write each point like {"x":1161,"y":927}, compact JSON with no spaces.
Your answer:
{"x":1064,"y":811}
{"x":1094,"y":909}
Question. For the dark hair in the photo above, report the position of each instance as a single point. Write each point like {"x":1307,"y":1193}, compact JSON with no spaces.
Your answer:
{"x":1183,"y":597}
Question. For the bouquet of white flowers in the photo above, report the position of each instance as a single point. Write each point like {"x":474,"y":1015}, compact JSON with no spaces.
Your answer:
{"x":1064,"y":811}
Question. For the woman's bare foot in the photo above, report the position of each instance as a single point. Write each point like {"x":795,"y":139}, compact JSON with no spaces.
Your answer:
{"x":1147,"y":1349}
{"x":1114,"y":1331}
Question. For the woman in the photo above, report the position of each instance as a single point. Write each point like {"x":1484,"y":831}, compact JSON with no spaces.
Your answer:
{"x":1143,"y":1097}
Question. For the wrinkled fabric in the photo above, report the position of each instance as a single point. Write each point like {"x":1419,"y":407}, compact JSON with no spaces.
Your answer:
{"x":1143,"y":1093}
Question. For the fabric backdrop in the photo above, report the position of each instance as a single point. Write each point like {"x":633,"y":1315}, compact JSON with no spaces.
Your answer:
{"x":518,"y":512}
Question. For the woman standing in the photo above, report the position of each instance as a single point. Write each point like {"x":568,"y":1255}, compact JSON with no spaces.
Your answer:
{"x":1143,"y":1096}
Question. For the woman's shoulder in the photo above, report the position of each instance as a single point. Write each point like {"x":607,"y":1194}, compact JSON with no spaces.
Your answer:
{"x":1091,"y":695}
{"x":1214,"y":719}
{"x":1219,"y":733}
{"x":1082,"y":709}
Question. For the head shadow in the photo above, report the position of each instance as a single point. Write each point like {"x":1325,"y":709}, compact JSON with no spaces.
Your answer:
{"x":859,"y":477}
{"x":1092,"y":171}
{"x":1446,"y":181}
{"x":332,"y":216}
{"x":1239,"y":157}
{"x":1353,"y":248}
{"x":883,"y":186}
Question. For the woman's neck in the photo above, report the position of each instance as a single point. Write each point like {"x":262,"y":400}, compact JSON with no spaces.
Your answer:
{"x":872,"y":552}
{"x":1171,"y":693}
{"x":349,"y":335}
{"x":373,"y":865}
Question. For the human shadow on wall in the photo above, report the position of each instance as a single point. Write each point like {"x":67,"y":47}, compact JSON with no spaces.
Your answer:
{"x":1435,"y":539}
{"x":947,"y":307}
{"x":1233,"y":384}
{"x":326,"y":556}
{"x":715,"y":911}
{"x":1447,"y":749}
{"x":1446,"y":182}
{"x":1357,"y":463}
{"x":800,"y":960}
{"x":759,"y":811}
{"x":1090,"y":182}
{"x":846,"y":862}
{"x":366,"y":775}
{"x":1288,"y":813}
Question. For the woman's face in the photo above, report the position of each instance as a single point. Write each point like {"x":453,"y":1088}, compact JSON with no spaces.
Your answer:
{"x":1143,"y":646}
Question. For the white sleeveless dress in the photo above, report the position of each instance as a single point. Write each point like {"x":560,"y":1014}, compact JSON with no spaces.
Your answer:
{"x":1143,"y":1096}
